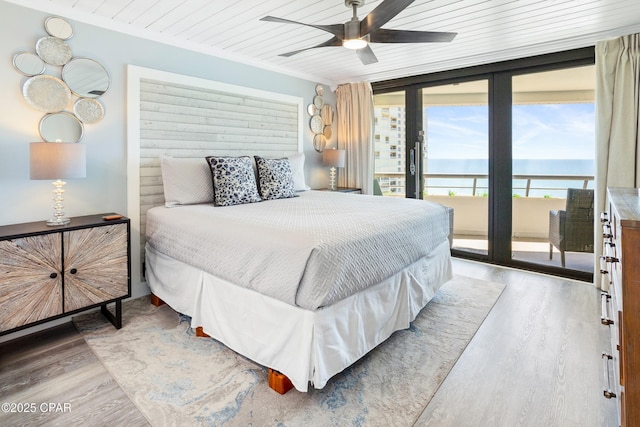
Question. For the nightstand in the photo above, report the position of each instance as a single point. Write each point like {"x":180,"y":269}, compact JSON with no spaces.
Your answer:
{"x":51,"y":272}
{"x":345,"y":190}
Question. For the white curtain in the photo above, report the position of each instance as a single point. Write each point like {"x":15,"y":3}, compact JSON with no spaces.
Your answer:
{"x":355,"y":135}
{"x":617,"y":121}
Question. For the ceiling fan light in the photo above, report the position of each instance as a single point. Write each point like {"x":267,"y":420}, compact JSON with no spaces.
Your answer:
{"x":354,"y":43}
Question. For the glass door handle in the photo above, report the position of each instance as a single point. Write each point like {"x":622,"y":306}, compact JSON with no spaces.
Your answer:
{"x":412,"y":162}
{"x":416,"y":153}
{"x":418,"y":169}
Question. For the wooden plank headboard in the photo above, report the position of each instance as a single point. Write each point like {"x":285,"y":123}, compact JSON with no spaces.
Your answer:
{"x":183,"y":116}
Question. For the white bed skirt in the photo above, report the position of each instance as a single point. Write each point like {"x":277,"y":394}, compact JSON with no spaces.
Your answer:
{"x":307,"y":346}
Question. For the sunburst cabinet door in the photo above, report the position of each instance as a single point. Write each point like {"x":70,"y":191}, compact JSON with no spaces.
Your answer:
{"x":95,"y":265}
{"x":30,"y":279}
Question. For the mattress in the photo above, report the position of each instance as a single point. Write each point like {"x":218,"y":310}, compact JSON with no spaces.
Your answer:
{"x":309,"y":251}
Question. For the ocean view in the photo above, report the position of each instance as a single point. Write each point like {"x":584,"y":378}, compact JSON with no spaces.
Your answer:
{"x":539,"y":188}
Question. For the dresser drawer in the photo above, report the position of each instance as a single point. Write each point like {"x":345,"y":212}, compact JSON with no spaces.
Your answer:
{"x":622,"y":264}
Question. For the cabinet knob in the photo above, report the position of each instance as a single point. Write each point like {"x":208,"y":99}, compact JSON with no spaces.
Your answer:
{"x":53,"y":275}
{"x":73,"y":271}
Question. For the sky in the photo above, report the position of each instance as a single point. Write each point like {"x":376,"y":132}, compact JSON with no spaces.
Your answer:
{"x":540,"y":131}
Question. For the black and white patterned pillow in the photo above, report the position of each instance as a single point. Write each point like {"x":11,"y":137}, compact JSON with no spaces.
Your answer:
{"x":234,"y":182}
{"x":275,"y":178}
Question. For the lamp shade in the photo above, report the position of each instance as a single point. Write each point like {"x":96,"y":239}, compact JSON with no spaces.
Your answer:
{"x":55,"y":160}
{"x":333,"y":158}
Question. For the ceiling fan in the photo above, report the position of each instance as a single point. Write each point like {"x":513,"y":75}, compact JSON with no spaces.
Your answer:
{"x":357,"y":34}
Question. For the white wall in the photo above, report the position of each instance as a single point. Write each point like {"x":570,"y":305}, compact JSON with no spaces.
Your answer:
{"x":105,"y":187}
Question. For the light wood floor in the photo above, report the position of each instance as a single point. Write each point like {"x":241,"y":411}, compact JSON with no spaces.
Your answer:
{"x":535,"y":361}
{"x":57,"y":366}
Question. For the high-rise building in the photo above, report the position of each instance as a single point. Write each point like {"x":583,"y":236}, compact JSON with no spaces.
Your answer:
{"x":389,"y":146}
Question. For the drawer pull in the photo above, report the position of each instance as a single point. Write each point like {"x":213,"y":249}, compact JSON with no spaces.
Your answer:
{"x":610,"y":250}
{"x":605,"y":363}
{"x":603,"y":266}
{"x":610,"y":258}
{"x":604,"y":316}
{"x":605,"y":280}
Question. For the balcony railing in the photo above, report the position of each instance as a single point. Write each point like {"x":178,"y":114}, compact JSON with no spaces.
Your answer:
{"x":478,"y":182}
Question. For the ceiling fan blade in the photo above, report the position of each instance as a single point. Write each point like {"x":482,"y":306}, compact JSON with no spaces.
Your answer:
{"x":334,"y":41}
{"x":381,"y":15}
{"x":405,"y":36}
{"x":335,"y":29}
{"x":366,"y":55}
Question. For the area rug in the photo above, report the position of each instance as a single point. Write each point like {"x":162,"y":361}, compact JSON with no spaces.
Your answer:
{"x":176,"y":378}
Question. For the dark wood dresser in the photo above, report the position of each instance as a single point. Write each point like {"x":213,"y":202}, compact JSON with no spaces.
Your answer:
{"x":51,"y":272}
{"x":620,"y":265}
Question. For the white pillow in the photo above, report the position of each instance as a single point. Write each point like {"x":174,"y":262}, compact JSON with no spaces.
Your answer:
{"x":297,"y":170}
{"x":186,"y":181}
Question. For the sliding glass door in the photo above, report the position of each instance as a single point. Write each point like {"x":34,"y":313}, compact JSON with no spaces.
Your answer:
{"x":553,"y":157}
{"x":485,"y":141}
{"x":439,"y":152}
{"x":455,"y":122}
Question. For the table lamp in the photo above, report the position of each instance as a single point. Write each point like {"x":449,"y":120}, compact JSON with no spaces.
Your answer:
{"x":334,"y":159}
{"x":57,"y":160}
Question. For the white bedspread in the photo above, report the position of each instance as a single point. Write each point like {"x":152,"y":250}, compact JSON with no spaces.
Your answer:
{"x":309,"y":251}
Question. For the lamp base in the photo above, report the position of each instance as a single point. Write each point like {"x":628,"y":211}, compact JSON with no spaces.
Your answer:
{"x":332,"y":179}
{"x":58,"y":217}
{"x":53,"y":222}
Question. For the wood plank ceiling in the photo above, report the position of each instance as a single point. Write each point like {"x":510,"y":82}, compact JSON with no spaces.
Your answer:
{"x":488,"y":30}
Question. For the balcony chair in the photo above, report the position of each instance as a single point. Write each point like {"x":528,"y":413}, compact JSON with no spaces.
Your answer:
{"x":376,"y":188}
{"x":571,"y":230}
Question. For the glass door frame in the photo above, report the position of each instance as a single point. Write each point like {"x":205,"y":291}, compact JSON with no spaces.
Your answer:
{"x":499,"y":77}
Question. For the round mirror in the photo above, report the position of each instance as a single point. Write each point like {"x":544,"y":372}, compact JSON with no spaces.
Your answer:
{"x":327,"y":114}
{"x":312,"y":110}
{"x":58,"y":27}
{"x":53,"y":50}
{"x":86,"y":78}
{"x":319,"y":142}
{"x":61,"y":127}
{"x":28,"y":63}
{"x":318,"y":102}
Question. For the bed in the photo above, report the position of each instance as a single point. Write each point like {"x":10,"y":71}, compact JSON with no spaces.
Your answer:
{"x":303,"y":285}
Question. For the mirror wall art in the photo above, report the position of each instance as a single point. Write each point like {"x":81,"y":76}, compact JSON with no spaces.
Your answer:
{"x":321,"y":119}
{"x":65,"y":87}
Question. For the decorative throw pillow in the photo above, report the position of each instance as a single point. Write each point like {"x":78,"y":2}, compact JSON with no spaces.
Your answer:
{"x":185,"y":181}
{"x":233,"y":180}
{"x":297,"y":170}
{"x":275,"y":180}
